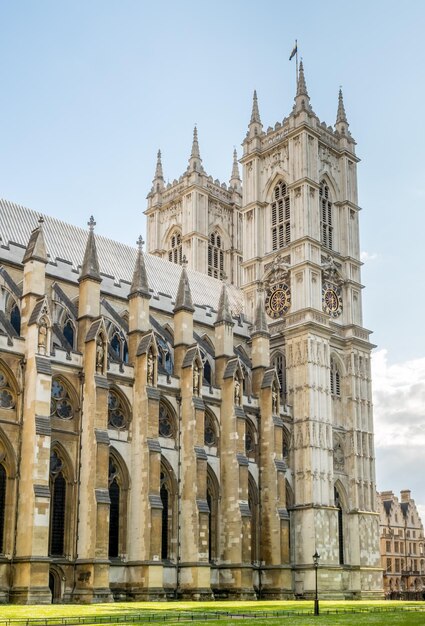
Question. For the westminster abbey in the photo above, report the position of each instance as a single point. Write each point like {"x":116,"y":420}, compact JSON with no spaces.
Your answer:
{"x":193,"y":420}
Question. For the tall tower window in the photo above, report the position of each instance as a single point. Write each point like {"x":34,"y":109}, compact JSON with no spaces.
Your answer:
{"x":57,"y":510}
{"x":3,"y":479}
{"x":280,"y":367}
{"x":215,"y":256}
{"x":175,"y":253}
{"x":335,"y":379}
{"x":281,"y":217}
{"x":326,"y":216}
{"x":114,"y":512}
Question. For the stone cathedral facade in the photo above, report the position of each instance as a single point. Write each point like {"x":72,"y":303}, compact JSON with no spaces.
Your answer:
{"x":195,"y":422}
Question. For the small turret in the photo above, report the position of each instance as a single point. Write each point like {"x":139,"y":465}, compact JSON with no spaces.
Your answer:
{"x":341,"y":124}
{"x":260,"y":351}
{"x":139,"y":284}
{"x":183,"y":319}
{"x":223,"y":333}
{"x":195,"y":161}
{"x":184,"y":296}
{"x":34,"y":261}
{"x":255,"y":126}
{"x":158,"y":181}
{"x":36,"y":248}
{"x":235,"y":180}
{"x":224,"y":314}
{"x":139,"y":296}
{"x":302,"y":99}
{"x":90,"y":267}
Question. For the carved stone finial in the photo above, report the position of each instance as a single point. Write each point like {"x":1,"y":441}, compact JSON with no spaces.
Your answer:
{"x":341,"y":115}
{"x":255,"y":113}
{"x":41,"y":221}
{"x":301,"y":87}
{"x":140,"y":243}
{"x":184,"y":261}
{"x":91,"y":223}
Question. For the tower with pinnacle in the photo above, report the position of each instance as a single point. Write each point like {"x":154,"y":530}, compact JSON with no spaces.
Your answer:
{"x":197,"y":217}
{"x":301,"y":246}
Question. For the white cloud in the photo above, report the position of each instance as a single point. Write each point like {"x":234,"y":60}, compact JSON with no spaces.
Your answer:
{"x":399,"y":410}
{"x":368,"y":256}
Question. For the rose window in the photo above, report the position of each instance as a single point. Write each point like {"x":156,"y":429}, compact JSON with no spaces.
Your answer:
{"x":116,"y":412}
{"x":60,"y":402}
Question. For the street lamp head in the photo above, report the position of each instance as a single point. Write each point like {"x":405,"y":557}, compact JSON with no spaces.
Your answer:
{"x":316,"y":558}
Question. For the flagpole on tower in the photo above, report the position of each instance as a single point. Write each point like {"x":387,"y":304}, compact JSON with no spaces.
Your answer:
{"x":293,"y":54}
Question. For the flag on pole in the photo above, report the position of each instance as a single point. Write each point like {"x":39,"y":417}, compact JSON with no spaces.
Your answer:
{"x":294,"y":51}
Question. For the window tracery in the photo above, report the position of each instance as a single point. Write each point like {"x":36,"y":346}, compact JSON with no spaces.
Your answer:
{"x":60,"y":401}
{"x":58,"y":504}
{"x":210,"y":433}
{"x":281,"y":217}
{"x":335,"y":379}
{"x":166,"y":422}
{"x":175,"y":254}
{"x":280,"y":367}
{"x":215,"y":256}
{"x":7,"y":397}
{"x":114,"y":510}
{"x":69,"y":332}
{"x":3,"y":482}
{"x":326,"y":216}
{"x":117,"y":412}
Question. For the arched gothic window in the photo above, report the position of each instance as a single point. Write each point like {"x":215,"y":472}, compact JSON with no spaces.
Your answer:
{"x":175,"y":244}
{"x":118,"y":347}
{"x":114,"y":511}
{"x":335,"y":379}
{"x":167,"y":422}
{"x":210,"y":431}
{"x":286,"y":443}
{"x":60,"y":401}
{"x":280,"y":367}
{"x":117,"y":412}
{"x":57,"y":505}
{"x":340,"y":527}
{"x":326,"y":216}
{"x":69,"y":332}
{"x":168,"y":505}
{"x":215,"y":256}
{"x":7,"y":397}
{"x":3,"y":479}
{"x":165,"y":360}
{"x":250,"y":445}
{"x":255,"y":519}
{"x":15,"y":318}
{"x":281,"y":217}
{"x":212,"y":500}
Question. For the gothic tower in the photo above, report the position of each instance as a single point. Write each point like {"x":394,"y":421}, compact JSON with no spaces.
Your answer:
{"x":301,"y":244}
{"x":197,"y":217}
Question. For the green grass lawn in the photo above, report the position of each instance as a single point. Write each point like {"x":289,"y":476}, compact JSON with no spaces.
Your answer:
{"x":186,"y":612}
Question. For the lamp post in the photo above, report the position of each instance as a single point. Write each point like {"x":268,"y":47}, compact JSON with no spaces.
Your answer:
{"x":316,"y":558}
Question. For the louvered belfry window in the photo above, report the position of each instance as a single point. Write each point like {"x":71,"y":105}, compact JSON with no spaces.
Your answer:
{"x":175,"y":253}
{"x":2,"y":505}
{"x":326,"y":216}
{"x":335,"y":379}
{"x":215,"y":256}
{"x":281,"y":217}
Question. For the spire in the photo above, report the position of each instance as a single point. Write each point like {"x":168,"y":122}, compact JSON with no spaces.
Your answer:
{"x":235,"y":179}
{"x":36,"y":248}
{"x":223,"y":313}
{"x":158,"y":181}
{"x":341,"y":116}
{"x":139,"y":284}
{"x":301,"y":86}
{"x":90,"y":267}
{"x":260,"y":323}
{"x":255,"y":115}
{"x":195,"y":161}
{"x":184,"y":296}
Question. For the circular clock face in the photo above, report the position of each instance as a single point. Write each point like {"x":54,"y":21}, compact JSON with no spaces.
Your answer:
{"x":331,"y":300}
{"x":278,"y":300}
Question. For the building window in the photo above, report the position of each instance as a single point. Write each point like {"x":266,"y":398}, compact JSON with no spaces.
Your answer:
{"x":118,"y":348}
{"x":69,"y":333}
{"x":7,"y":397}
{"x":57,"y":509}
{"x":117,"y":412}
{"x":388,"y":546}
{"x":175,"y":252}
{"x":281,"y":217}
{"x":326,"y":216}
{"x":15,"y":318}
{"x":397,"y":565}
{"x":114,"y":511}
{"x":335,"y":379}
{"x":280,"y":367}
{"x":60,"y":401}
{"x":389,"y":566}
{"x":215,"y":256}
{"x":167,"y":423}
{"x":255,"y":520}
{"x":212,"y":500}
{"x":210,"y":434}
{"x":340,"y":527}
{"x":3,"y":479}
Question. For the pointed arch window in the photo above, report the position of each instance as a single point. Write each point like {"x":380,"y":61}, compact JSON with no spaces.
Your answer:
{"x":215,"y":256}
{"x":340,"y":527}
{"x":15,"y":318}
{"x":7,"y":397}
{"x":114,"y":511}
{"x":118,"y":347}
{"x":167,"y":422}
{"x":326,"y":216}
{"x":118,"y":417}
{"x":60,"y":401}
{"x":250,"y":445}
{"x":3,"y":479}
{"x":57,"y":505}
{"x":69,"y":332}
{"x":212,"y":500}
{"x":280,"y":366}
{"x":168,"y":505}
{"x":254,"y":509}
{"x":335,"y":379}
{"x":281,"y":217}
{"x":210,"y":431}
{"x":175,"y":248}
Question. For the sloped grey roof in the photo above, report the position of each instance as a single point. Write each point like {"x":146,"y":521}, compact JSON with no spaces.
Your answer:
{"x":68,"y":243}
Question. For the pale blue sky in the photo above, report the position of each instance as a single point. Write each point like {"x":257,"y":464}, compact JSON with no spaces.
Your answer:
{"x":91,"y":89}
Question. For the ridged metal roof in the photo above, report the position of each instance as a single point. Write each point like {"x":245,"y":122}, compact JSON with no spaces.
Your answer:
{"x":68,"y":243}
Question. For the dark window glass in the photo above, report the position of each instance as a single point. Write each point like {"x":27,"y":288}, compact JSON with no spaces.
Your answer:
{"x":15,"y":319}
{"x":164,"y":544}
{"x":2,"y":505}
{"x":114,"y":518}
{"x":68,"y":331}
{"x":58,"y":515}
